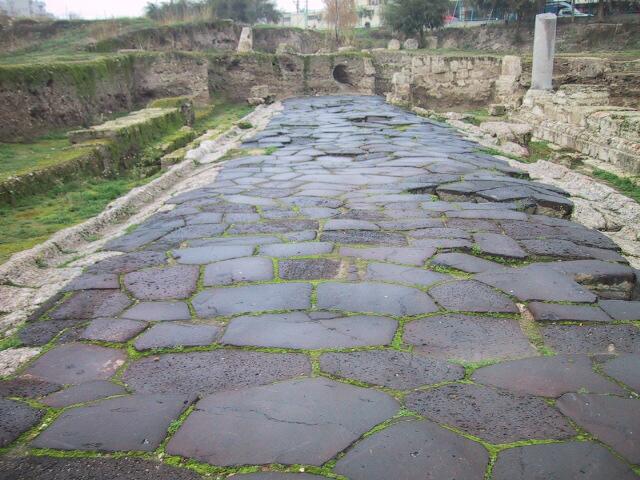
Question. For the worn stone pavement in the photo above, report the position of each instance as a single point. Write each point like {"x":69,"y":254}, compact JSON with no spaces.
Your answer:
{"x":374,"y":299}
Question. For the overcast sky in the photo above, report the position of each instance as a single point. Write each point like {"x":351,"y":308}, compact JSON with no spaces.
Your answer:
{"x":130,"y":8}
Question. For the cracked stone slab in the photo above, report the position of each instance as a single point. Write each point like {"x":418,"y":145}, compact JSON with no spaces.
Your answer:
{"x":554,"y":312}
{"x":162,"y":283}
{"x":209,"y":372}
{"x":584,"y":460}
{"x":300,"y":422}
{"x":113,"y":329}
{"x":15,"y":419}
{"x":85,"y":392}
{"x":76,"y":363}
{"x":374,"y":297}
{"x":471,"y":296}
{"x":238,"y":270}
{"x":546,"y":376}
{"x":252,"y":298}
{"x":158,"y":311}
{"x":174,"y":334}
{"x":130,"y":423}
{"x":54,"y":468}
{"x":299,"y":330}
{"x":385,"y":272}
{"x":88,"y":304}
{"x":612,"y":420}
{"x":468,"y":338}
{"x":621,"y":310}
{"x":496,"y":416}
{"x":625,"y":369}
{"x":414,"y":449}
{"x":407,"y":256}
{"x":309,"y":269}
{"x":593,"y":339}
{"x":209,"y":254}
{"x":390,"y":368}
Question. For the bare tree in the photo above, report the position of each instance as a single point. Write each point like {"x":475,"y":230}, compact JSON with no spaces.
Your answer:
{"x":340,"y":14}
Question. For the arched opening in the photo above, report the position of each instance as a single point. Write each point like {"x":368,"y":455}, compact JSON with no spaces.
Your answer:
{"x":341,"y":74}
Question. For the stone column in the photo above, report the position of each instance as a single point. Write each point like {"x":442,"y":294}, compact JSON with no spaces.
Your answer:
{"x":246,"y":40}
{"x":544,"y":45}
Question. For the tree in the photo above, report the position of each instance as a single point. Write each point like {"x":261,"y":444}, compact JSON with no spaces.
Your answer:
{"x":340,"y":14}
{"x":246,"y":11}
{"x":415,"y":17}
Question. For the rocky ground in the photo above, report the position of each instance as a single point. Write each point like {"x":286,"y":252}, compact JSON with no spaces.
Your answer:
{"x":375,"y":299}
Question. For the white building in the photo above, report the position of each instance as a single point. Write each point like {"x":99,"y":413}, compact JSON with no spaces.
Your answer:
{"x":368,"y":16}
{"x":24,"y":8}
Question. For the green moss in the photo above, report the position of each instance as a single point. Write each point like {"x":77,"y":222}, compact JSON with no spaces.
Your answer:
{"x":11,"y":342}
{"x":624,"y":185}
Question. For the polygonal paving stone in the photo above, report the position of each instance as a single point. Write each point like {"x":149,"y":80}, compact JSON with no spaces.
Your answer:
{"x":364,"y":237}
{"x":158,"y":311}
{"x":209,"y":372}
{"x":249,"y":269}
{"x":499,"y":245}
{"x":193,"y":231}
{"x":165,"y":335}
{"x":466,"y":263}
{"x":92,"y":304}
{"x":299,"y":330}
{"x":253,"y":298}
{"x":554,"y":312}
{"x":212,"y":253}
{"x":408,"y":256}
{"x":621,"y":310}
{"x":625,"y":369}
{"x":374,"y":297}
{"x":42,"y":332}
{"x":113,"y":329}
{"x":390,"y":368}
{"x":546,"y":376}
{"x":386,"y":272}
{"x":27,"y":386}
{"x":537,"y":283}
{"x":592,"y":339}
{"x":468,"y":338}
{"x":129,"y":262}
{"x":85,"y":392}
{"x":162,"y":283}
{"x":54,"y":468}
{"x":130,"y":423}
{"x":278,"y":476}
{"x":346,"y":224}
{"x":412,"y":450}
{"x":296,"y":249}
{"x":493,"y":415}
{"x":15,"y":419}
{"x":90,"y":281}
{"x":274,"y":226}
{"x":570,"y":460}
{"x":300,"y":422}
{"x":471,"y":296}
{"x":612,"y":420}
{"x":76,"y":363}
{"x":309,"y":269}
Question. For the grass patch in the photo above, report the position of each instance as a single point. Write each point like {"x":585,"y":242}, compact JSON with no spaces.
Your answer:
{"x":627,"y":186}
{"x":539,"y":151}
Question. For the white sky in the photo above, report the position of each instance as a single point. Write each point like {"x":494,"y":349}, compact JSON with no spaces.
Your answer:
{"x":131,"y":8}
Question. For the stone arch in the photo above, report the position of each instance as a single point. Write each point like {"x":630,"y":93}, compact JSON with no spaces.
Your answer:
{"x":341,"y":74}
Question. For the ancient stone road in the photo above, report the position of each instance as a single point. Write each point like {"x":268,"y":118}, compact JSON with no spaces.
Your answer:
{"x":374,"y":299}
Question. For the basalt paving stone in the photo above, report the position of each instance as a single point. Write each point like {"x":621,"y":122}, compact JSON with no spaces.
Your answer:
{"x":496,"y":416}
{"x":279,"y":476}
{"x":194,"y":231}
{"x":91,"y":281}
{"x":208,"y":372}
{"x":468,"y":338}
{"x":570,"y":460}
{"x":592,"y":339}
{"x":374,"y":297}
{"x":537,"y":283}
{"x":211,"y":253}
{"x":386,"y":272}
{"x":499,"y":245}
{"x":113,"y":329}
{"x":554,"y":312}
{"x":465,"y":263}
{"x":296,"y":249}
{"x":626,"y":369}
{"x":85,"y":392}
{"x":612,"y":420}
{"x":299,"y":422}
{"x":253,"y":298}
{"x":178,"y":281}
{"x":76,"y":363}
{"x":274,"y":226}
{"x":412,"y":450}
{"x":91,"y":304}
{"x":53,"y":468}
{"x":228,"y":272}
{"x":339,"y":224}
{"x":130,"y":423}
{"x":390,"y":368}
{"x":166,"y":335}
{"x":15,"y":419}
{"x":300,"y":330}
{"x":364,"y":237}
{"x":42,"y":332}
{"x":309,"y":269}
{"x":158,"y":311}
{"x":27,"y":386}
{"x":546,"y":376}
{"x":129,"y":262}
{"x":471,"y":296}
{"x":407,"y":256}
{"x":621,"y":310}
{"x":208,"y":217}
{"x":302,"y":236}
{"x":245,"y":240}
{"x":443,"y":244}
